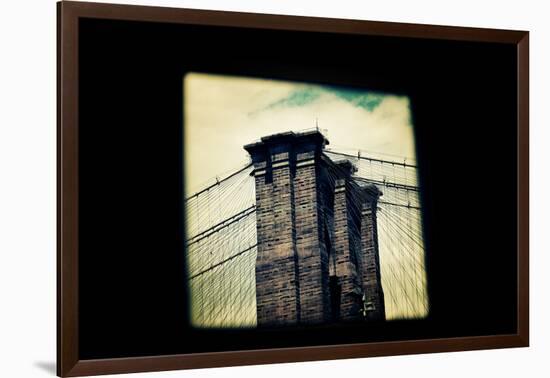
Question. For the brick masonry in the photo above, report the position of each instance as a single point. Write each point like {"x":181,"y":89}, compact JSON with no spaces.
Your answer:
{"x":317,"y":249}
{"x":372,"y":284}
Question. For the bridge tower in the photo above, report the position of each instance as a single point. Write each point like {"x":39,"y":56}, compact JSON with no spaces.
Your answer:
{"x":317,"y":240}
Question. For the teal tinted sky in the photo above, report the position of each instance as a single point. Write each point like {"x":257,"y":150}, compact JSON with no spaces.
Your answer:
{"x":308,"y":94}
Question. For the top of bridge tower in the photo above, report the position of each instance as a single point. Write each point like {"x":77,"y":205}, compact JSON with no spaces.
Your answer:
{"x":289,"y":138}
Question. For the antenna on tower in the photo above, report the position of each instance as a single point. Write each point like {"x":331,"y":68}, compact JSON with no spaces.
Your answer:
{"x":317,"y":123}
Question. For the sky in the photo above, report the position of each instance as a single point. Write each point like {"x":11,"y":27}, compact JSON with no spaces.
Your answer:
{"x":223,"y":113}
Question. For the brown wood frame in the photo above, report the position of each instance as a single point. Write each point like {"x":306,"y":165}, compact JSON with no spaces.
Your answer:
{"x":68,"y":363}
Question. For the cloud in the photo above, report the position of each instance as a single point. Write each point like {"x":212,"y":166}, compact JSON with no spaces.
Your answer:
{"x":366,"y":100}
{"x":299,"y":97}
{"x":305,"y":95}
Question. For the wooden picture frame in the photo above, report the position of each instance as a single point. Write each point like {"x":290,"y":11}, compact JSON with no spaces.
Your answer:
{"x":70,"y":362}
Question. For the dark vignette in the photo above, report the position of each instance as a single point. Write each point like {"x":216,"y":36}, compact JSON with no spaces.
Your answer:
{"x":133,"y":297}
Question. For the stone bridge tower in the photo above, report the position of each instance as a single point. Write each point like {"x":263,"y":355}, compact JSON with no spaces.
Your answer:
{"x":317,"y":236}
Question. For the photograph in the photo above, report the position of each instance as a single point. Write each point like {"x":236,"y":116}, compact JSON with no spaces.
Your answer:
{"x":301,"y":204}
